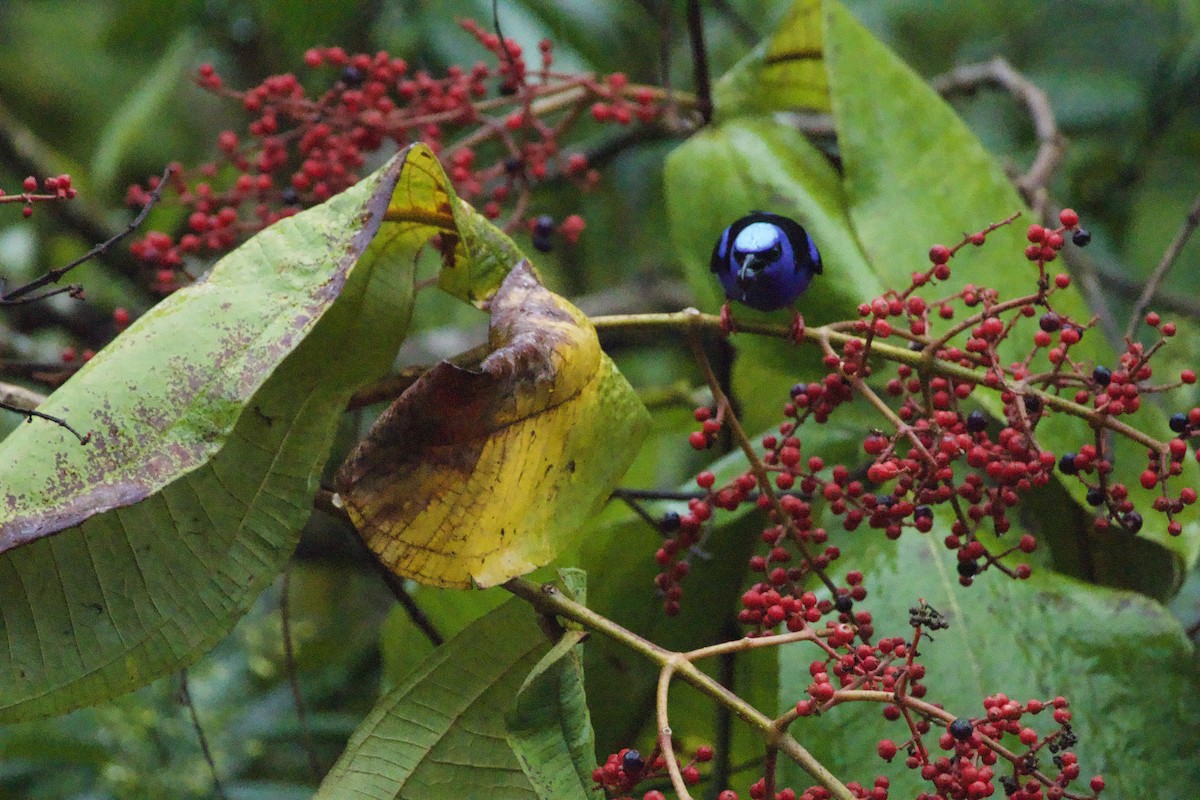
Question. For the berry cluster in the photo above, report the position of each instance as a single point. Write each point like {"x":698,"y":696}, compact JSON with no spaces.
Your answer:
{"x":973,"y":747}
{"x":934,"y":451}
{"x":498,"y":128}
{"x":970,"y":767}
{"x":624,"y":770}
{"x":54,"y":188}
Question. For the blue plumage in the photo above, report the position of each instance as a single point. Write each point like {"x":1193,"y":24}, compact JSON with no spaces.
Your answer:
{"x":765,"y":261}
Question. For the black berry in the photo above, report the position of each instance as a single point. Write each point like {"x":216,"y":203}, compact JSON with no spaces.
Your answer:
{"x":1081,"y":237}
{"x":543,"y":226}
{"x":1102,"y":375}
{"x":961,"y":729}
{"x":976,"y":421}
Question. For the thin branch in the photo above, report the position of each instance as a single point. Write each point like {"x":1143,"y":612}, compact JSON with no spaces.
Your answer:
{"x":691,"y":319}
{"x":1051,"y":144}
{"x":185,"y":697}
{"x":19,"y":399}
{"x":289,"y":657}
{"x":324,"y":502}
{"x":55,"y":275}
{"x":547,"y":599}
{"x":1190,"y":223}
{"x":29,"y":414}
{"x":700,"y":73}
{"x":740,"y":438}
{"x":26,"y":154}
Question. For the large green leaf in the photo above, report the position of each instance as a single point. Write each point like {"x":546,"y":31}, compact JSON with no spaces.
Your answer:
{"x":549,"y":728}
{"x":1121,"y":659}
{"x":916,"y":175}
{"x":211,"y":419}
{"x":442,"y":732}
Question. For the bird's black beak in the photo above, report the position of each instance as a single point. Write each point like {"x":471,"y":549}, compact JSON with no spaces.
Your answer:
{"x":748,"y":269}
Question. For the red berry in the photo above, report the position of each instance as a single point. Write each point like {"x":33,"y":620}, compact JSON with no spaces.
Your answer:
{"x":30,"y":184}
{"x":939,"y":254}
{"x":121,"y":317}
{"x":1188,"y":376}
{"x":705,"y":480}
{"x":1068,"y":218}
{"x":1149,"y":479}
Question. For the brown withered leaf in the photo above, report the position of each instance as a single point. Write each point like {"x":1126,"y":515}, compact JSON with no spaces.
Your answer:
{"x":475,"y":476}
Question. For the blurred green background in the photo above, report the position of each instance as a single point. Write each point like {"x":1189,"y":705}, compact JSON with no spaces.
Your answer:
{"x":103,"y":91}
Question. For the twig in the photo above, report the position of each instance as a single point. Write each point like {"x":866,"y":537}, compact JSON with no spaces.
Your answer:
{"x":19,"y":295}
{"x":691,"y":319}
{"x":186,"y":698}
{"x":324,"y":502}
{"x":19,"y":399}
{"x":740,"y":438}
{"x":289,"y":658}
{"x":695,"y":26}
{"x":29,"y":414}
{"x":26,"y":154}
{"x":549,"y":600}
{"x":1051,"y":144}
{"x":1114,"y":278}
{"x":1190,"y":222}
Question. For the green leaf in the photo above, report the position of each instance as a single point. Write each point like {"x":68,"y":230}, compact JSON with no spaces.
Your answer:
{"x":211,"y":419}
{"x":442,"y":732}
{"x":915,"y":175}
{"x":550,"y":730}
{"x":783,"y":73}
{"x":136,"y":118}
{"x":1121,"y":660}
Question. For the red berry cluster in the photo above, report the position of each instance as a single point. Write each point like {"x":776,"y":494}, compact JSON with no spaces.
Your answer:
{"x":54,"y":188}
{"x":974,"y":747}
{"x":935,"y":452}
{"x":623,"y":770}
{"x":498,"y":128}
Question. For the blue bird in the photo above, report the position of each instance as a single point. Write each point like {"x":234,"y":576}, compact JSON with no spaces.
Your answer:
{"x":764,"y":261}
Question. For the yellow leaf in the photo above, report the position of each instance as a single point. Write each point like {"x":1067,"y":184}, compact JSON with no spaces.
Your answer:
{"x":477,"y":476}
{"x":476,"y":255}
{"x":785,"y":72}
